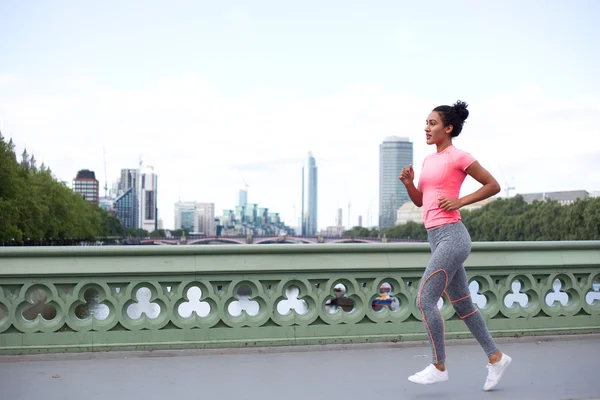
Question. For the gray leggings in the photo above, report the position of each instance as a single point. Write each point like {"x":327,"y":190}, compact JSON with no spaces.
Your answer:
{"x":450,"y":247}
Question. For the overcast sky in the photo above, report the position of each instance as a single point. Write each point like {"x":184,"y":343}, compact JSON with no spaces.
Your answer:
{"x":212,"y":94}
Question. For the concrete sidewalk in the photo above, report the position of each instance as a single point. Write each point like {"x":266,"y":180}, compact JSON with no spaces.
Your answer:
{"x":557,"y":369}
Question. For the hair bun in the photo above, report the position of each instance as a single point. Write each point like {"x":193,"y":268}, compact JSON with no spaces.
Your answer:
{"x":460,"y":107}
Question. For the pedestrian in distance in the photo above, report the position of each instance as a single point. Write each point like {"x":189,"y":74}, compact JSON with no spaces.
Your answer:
{"x":438,"y":192}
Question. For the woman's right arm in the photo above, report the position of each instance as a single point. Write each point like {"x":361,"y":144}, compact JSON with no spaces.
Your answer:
{"x":407,"y":176}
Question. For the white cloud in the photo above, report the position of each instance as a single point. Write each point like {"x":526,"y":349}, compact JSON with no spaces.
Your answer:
{"x":204,"y":143}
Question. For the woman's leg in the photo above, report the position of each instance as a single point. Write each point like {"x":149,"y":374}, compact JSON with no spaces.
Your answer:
{"x":460,"y":296}
{"x":451,"y":245}
{"x":432,"y":286}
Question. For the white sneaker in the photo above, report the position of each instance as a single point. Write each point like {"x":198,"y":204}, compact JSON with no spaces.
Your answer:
{"x":429,"y":375}
{"x":495,"y":372}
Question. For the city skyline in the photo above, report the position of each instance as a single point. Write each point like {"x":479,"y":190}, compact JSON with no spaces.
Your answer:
{"x":242,"y":201}
{"x":248,"y":90}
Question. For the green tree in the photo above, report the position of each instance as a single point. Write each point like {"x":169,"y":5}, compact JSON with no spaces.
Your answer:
{"x":410,"y":231}
{"x":34,"y":205}
{"x":515,"y":220}
{"x":135,"y":232}
{"x":359,"y":231}
{"x":158,"y":233}
{"x":111,"y":225}
{"x":9,"y":186}
{"x":180,"y":232}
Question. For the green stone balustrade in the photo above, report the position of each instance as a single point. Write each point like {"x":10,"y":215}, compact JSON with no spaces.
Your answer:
{"x":60,"y":299}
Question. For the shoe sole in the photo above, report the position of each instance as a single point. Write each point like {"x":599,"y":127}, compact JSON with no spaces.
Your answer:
{"x":427,"y":383}
{"x":500,"y":377}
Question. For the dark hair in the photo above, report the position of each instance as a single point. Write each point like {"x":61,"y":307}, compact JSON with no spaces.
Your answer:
{"x":454,"y":115}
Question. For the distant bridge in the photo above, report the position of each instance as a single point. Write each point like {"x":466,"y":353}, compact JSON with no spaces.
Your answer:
{"x":195,"y":240}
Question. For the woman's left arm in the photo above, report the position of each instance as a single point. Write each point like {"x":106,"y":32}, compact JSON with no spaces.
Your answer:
{"x":490,"y":184}
{"x":490,"y":187}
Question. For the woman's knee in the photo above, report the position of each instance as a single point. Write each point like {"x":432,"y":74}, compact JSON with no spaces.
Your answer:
{"x":428,"y":303}
{"x":464,"y":307}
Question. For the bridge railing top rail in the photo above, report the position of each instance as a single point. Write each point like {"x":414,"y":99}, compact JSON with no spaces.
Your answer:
{"x":15,"y":261}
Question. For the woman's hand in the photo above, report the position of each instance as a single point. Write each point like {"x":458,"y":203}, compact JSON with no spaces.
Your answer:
{"x":407,"y":176}
{"x":448,"y":204}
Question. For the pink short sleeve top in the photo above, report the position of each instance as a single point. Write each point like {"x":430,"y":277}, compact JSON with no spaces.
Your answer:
{"x":442,"y":175}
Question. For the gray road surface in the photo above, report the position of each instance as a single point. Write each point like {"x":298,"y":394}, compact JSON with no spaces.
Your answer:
{"x":553,"y":368}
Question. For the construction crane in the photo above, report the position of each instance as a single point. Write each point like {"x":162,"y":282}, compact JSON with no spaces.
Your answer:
{"x":245,"y":184}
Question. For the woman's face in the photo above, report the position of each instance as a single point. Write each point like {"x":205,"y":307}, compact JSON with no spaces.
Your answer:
{"x":435,"y":131}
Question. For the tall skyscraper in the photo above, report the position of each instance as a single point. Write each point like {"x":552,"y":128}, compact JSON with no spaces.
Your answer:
{"x":242,"y":198}
{"x":339,"y":221}
{"x":394,"y":154}
{"x":309,"y":196}
{"x":125,"y":205}
{"x":86,"y":184}
{"x":206,"y":218}
{"x":148,"y":201}
{"x":128,"y":180}
{"x":127,"y":202}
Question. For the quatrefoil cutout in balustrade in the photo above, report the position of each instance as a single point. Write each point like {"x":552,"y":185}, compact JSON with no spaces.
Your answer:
{"x":593,"y":296}
{"x":479,"y":299}
{"x":244,"y":303}
{"x":292,"y":302}
{"x":386,"y":299}
{"x":92,"y":306}
{"x":143,"y":305}
{"x":37,"y":306}
{"x":441,"y":302}
{"x":201,"y":308}
{"x":339,"y":300}
{"x":557,"y":295}
{"x":516,"y":297}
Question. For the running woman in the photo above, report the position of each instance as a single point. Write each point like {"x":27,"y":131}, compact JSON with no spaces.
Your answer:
{"x":441,"y":178}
